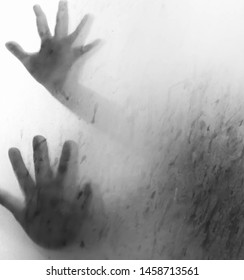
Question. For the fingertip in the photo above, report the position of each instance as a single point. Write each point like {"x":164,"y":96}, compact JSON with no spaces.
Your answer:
{"x":17,"y":51}
{"x":14,"y":48}
{"x":10,"y":45}
{"x":36,"y":9}
{"x":69,"y":151}
{"x":37,"y":140}
{"x":7,"y":45}
{"x":91,"y":46}
{"x":88,"y":18}
{"x":97,"y":42}
{"x":13,"y":151}
{"x":62,"y":7}
{"x":71,"y":146}
{"x":13,"y":154}
{"x":63,"y":3}
{"x":70,"y":143}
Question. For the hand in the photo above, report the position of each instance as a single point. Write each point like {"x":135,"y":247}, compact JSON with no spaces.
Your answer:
{"x":54,"y":208}
{"x":50,"y":66}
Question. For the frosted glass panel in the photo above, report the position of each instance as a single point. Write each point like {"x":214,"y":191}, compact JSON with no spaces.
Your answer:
{"x":157,"y":112}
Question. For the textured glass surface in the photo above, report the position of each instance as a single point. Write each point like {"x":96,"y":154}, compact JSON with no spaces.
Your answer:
{"x":158,"y":118}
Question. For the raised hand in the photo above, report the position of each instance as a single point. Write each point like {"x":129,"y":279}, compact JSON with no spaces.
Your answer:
{"x":54,"y":207}
{"x":50,"y":66}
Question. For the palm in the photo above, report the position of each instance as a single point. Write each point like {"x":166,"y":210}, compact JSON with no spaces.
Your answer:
{"x":52,"y":214}
{"x":50,"y":66}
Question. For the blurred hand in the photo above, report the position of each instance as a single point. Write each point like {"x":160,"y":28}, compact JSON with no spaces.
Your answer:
{"x":50,"y":66}
{"x":54,"y":207}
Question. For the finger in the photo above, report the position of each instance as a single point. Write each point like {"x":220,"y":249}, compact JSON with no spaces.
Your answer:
{"x":61,"y":28}
{"x":73,"y":36}
{"x":25,"y":181}
{"x":12,"y":204}
{"x":41,"y":22}
{"x":41,"y":159}
{"x":79,"y":51}
{"x":18,"y":52}
{"x":68,"y":159}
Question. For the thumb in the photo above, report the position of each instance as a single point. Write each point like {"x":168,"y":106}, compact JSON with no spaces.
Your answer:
{"x":17,"y":51}
{"x":13,"y":204}
{"x":79,"y":51}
